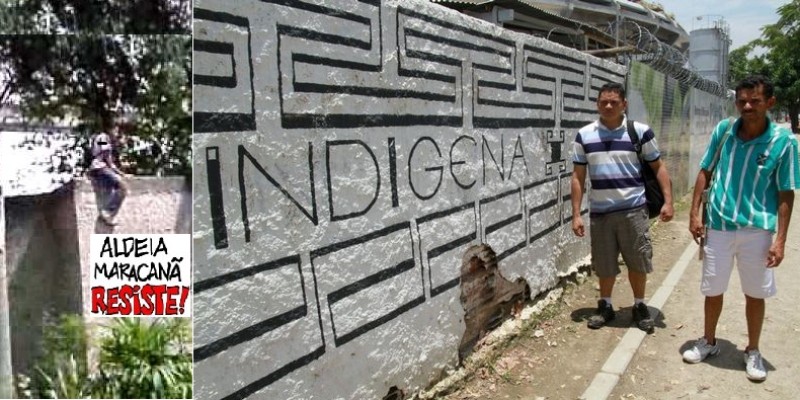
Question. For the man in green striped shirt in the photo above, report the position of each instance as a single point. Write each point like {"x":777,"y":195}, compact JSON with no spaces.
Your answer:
{"x":750,"y":200}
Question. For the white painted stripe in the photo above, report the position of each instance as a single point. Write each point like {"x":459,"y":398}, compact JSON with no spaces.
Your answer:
{"x":738,"y":203}
{"x":604,"y":381}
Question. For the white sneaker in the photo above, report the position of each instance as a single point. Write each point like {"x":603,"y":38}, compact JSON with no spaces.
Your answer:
{"x":754,"y":366}
{"x":699,"y":351}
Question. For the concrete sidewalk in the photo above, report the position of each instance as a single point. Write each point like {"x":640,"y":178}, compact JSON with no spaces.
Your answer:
{"x":650,"y":366}
{"x":556,"y":356}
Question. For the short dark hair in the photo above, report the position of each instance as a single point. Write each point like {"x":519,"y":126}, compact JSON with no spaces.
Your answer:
{"x":612,"y":87}
{"x":754,"y":81}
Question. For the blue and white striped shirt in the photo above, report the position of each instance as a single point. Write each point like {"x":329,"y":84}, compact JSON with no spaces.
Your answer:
{"x":613,"y":168}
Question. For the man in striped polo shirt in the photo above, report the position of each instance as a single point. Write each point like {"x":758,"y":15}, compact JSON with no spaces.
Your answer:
{"x":619,"y":217}
{"x":750,"y":198}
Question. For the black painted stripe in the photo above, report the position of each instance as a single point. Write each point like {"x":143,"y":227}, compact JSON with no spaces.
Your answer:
{"x":207,"y":46}
{"x":362,"y":239}
{"x":371,"y":280}
{"x":541,"y":77}
{"x":437,"y":290}
{"x":439,"y":250}
{"x":340,"y":340}
{"x":424,"y":55}
{"x":323,"y":37}
{"x":327,"y":11}
{"x":498,"y":196}
{"x":561,"y":56}
{"x":444,"y":213}
{"x":218,"y":16}
{"x":454,"y":27}
{"x":509,"y":104}
{"x":542,"y":207}
{"x":261,"y":383}
{"x":580,"y":110}
{"x":574,"y":124}
{"x":497,"y":85}
{"x":608,"y":71}
{"x":502,"y":224}
{"x":332,"y":62}
{"x":455,"y":43}
{"x":557,"y":67}
{"x":249,"y":333}
{"x":492,"y":68}
{"x":540,"y":182}
{"x":545,"y":231}
{"x":573,"y":96}
{"x":510,"y":251}
{"x":306,"y":121}
{"x":499,"y":123}
{"x":229,"y":277}
{"x":215,"y":198}
{"x":413,"y":73}
{"x":205,"y":122}
{"x":535,"y":90}
{"x":372,"y":92}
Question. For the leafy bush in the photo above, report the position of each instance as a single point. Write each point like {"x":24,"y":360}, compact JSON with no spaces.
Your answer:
{"x":146,"y":360}
{"x":138,"y":359}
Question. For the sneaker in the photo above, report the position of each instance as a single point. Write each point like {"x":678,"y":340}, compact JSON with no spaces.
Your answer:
{"x":699,"y":351}
{"x":754,"y":366}
{"x":641,"y":317}
{"x":605,"y":314}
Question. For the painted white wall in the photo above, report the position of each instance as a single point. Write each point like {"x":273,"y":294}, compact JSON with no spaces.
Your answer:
{"x":346,"y":155}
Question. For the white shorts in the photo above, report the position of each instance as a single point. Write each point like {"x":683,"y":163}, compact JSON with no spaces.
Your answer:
{"x":750,"y":247}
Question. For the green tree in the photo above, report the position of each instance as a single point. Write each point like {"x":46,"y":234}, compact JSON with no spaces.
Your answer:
{"x":782,"y":40}
{"x":741,"y":64}
{"x":95,"y":16}
{"x":104,"y":63}
{"x":780,"y":61}
{"x":101,"y":80}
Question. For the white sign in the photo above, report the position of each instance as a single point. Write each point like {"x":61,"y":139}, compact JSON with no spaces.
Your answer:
{"x":140,"y":275}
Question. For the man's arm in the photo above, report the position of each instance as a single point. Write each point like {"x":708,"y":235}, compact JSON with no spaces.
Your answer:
{"x":578,"y":188}
{"x":662,"y":175}
{"x":785,"y":204}
{"x":696,"y":223}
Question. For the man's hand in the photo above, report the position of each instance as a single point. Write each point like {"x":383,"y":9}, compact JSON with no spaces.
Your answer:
{"x":696,"y":228}
{"x":775,"y":255}
{"x":577,"y":226}
{"x":667,"y":212}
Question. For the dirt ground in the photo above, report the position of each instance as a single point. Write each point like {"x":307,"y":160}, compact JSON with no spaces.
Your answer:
{"x":556,"y":356}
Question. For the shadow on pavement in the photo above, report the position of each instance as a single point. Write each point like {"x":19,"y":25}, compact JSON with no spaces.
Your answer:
{"x":624,"y":318}
{"x":729,"y":357}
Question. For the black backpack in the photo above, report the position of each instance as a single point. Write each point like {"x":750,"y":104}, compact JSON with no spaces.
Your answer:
{"x":652,"y":189}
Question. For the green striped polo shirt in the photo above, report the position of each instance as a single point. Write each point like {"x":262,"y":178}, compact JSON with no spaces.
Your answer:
{"x":744,"y":192}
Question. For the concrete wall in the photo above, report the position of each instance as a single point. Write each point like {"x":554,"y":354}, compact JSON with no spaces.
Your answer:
{"x":42,"y":261}
{"x":347,"y":154}
{"x":47,"y":241}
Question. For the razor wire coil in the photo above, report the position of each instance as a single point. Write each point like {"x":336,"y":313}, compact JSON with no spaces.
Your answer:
{"x":663,"y":57}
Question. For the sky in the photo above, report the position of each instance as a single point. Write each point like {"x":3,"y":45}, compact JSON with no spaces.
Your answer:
{"x":744,"y":17}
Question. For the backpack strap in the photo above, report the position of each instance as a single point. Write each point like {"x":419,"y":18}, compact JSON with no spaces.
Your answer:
{"x":634,"y":138}
{"x":725,"y":137}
